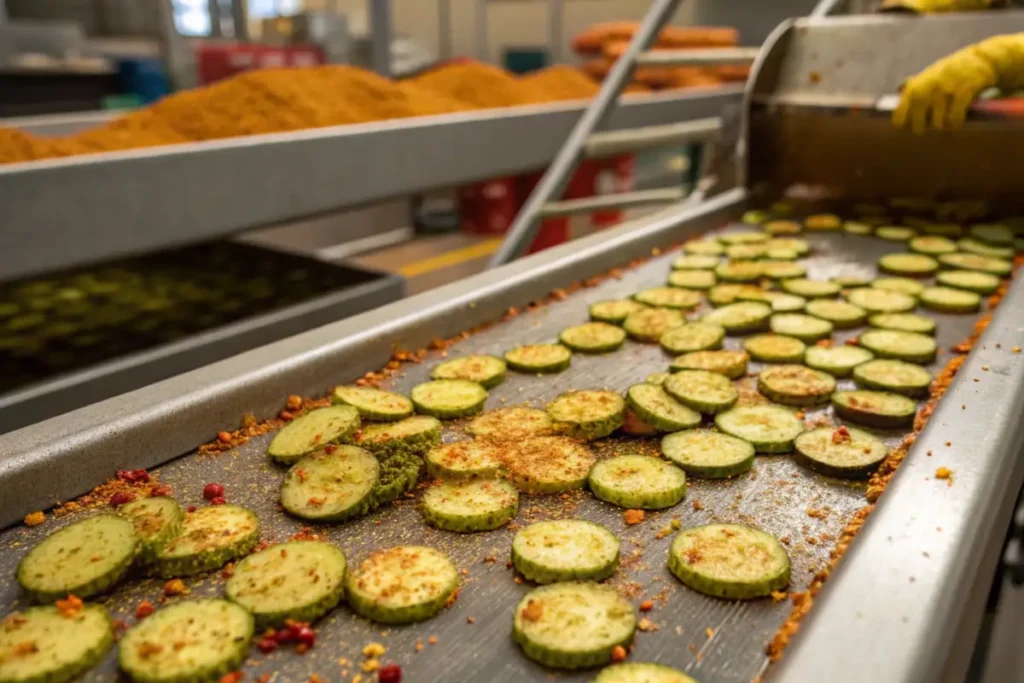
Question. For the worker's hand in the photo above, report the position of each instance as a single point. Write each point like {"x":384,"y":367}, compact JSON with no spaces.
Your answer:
{"x":930,"y":6}
{"x":944,"y":91}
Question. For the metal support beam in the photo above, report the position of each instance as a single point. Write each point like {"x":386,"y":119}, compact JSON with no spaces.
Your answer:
{"x":706,"y":57}
{"x":623,"y":200}
{"x":612,"y":143}
{"x":379,"y":12}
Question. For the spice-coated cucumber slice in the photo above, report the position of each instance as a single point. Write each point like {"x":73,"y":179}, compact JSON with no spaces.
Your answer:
{"x":210,"y":538}
{"x":782,"y":208}
{"x":314,"y":430}
{"x":804,"y":327}
{"x":593,"y":337}
{"x":300,"y":580}
{"x":487,"y":371}
{"x":196,"y":640}
{"x":707,"y":392}
{"x":822,"y":222}
{"x":908,"y":346}
{"x":464,"y":460}
{"x":745,"y":252}
{"x":511,"y":422}
{"x":932,"y":245}
{"x":401,"y":585}
{"x":896,"y":376}
{"x":704,"y":248}
{"x":547,"y":464}
{"x":911,"y":265}
{"x":708,"y":454}
{"x":414,"y":434}
{"x":779,"y":301}
{"x":973,"y":246}
{"x":796,"y":385}
{"x":738,"y":271}
{"x":588,"y":414}
{"x":755,"y":217}
{"x":157,"y":522}
{"x":995,"y":234}
{"x":45,"y":644}
{"x":470,"y":505}
{"x":448,"y":398}
{"x":903,"y":285}
{"x":984,"y":264}
{"x":970,"y":280}
{"x":810,"y":289}
{"x":769,"y":428}
{"x":874,"y":408}
{"x":658,"y":409}
{"x":850,"y":281}
{"x":774,"y":348}
{"x":399,"y":473}
{"x":565,"y":550}
{"x":573,"y":624}
{"x":740,"y":317}
{"x":801,"y":247}
{"x":641,"y":672}
{"x":941,"y":229}
{"x":905,"y":322}
{"x":614,"y":311}
{"x":779,"y":254}
{"x":374,"y":404}
{"x":331,"y":486}
{"x":744,"y":237}
{"x":692,"y":279}
{"x":838,"y":361}
{"x":857,"y":228}
{"x":782,"y":227}
{"x":875,"y":300}
{"x":843,"y":452}
{"x":782,"y":270}
{"x":720,"y":295}
{"x":895,"y":233}
{"x":842,"y":314}
{"x":648,"y":325}
{"x":668,"y":297}
{"x":539,"y":358}
{"x":698,"y":336}
{"x":83,"y":559}
{"x":694,"y":262}
{"x":729,"y":561}
{"x":732,"y":364}
{"x":949,"y":300}
{"x":657,"y":378}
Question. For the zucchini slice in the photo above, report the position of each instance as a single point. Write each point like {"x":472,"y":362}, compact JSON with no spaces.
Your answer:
{"x":413,"y":434}
{"x":822,"y":222}
{"x":804,"y":327}
{"x":448,"y":398}
{"x":941,"y":229}
{"x":373,"y":404}
{"x":588,"y":414}
{"x":300,"y":580}
{"x":657,"y":378}
{"x":909,"y":346}
{"x":857,"y":228}
{"x":768,"y":428}
{"x":547,"y":464}
{"x":895,"y":233}
{"x":775,"y":348}
{"x":745,"y":252}
{"x":565,"y":550}
{"x":541,"y":358}
{"x":668,"y":297}
{"x":195,"y":640}
{"x":875,"y":300}
{"x":614,"y":312}
{"x":487,"y":371}
{"x":732,"y":364}
{"x":779,"y":301}
{"x":697,"y":336}
{"x":704,"y":391}
{"x":842,"y":314}
{"x":658,"y":409}
{"x":984,"y":264}
{"x":401,"y":585}
{"x":695,"y":262}
{"x":42,"y":644}
{"x":511,"y":422}
{"x":637,"y":481}
{"x":810,"y":289}
{"x":84,"y":558}
{"x":740,"y":317}
{"x":738,"y":271}
{"x":994,"y":234}
{"x":470,"y":505}
{"x":801,"y":247}
{"x":782,"y":270}
{"x":593,"y":337}
{"x":649,"y":324}
{"x":755,"y":217}
{"x":210,"y":538}
{"x":905,"y":322}
{"x":840,"y":452}
{"x":782,"y":208}
{"x":850,"y":281}
{"x":314,"y":430}
{"x":573,"y":624}
{"x":720,"y":295}
{"x":838,"y":361}
{"x":729,"y":561}
{"x":708,"y":454}
{"x":157,"y":522}
{"x":743,"y":237}
{"x":465,"y":459}
{"x":970,"y":280}
{"x":780,"y":254}
{"x":932,"y":245}
{"x":874,"y":408}
{"x":704,"y":248}
{"x":949,"y":300}
{"x":896,"y":376}
{"x":329,"y":487}
{"x":641,"y":672}
{"x":973,"y":246}
{"x":904,"y":285}
{"x":399,"y":473}
{"x":910,"y":265}
{"x":692,"y":279}
{"x":782,"y":227}
{"x":796,"y":385}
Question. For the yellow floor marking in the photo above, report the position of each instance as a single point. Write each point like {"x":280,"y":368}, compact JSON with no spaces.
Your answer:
{"x":451,"y":258}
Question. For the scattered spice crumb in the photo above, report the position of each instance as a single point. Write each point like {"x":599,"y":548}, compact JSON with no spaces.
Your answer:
{"x":618,"y":654}
{"x":632,"y":517}
{"x":945,"y":473}
{"x":646,"y":605}
{"x":709,"y":632}
{"x":175,"y":587}
{"x":35,"y":518}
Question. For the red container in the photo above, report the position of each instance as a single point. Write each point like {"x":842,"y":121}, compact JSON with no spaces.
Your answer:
{"x":552,"y":231}
{"x":488,"y":208}
{"x":616,"y":175}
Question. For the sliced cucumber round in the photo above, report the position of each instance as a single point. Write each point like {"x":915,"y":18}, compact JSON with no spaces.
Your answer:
{"x":702,"y":390}
{"x":511,"y":422}
{"x":373,"y":404}
{"x":157,"y":522}
{"x":314,"y":430}
{"x":857,"y":228}
{"x":782,"y":270}
{"x":838,"y":361}
{"x":895,"y":233}
{"x":909,"y":346}
{"x":822,"y":222}
{"x":903,"y":285}
{"x":843,"y":315}
{"x":745,"y":252}
{"x":195,"y":640}
{"x":738,"y":271}
{"x":697,"y":336}
{"x":874,"y":408}
{"x":641,"y":672}
{"x":801,"y":247}
{"x":210,"y":538}
{"x":708,"y":454}
{"x":843,"y":452}
{"x":995,"y":234}
{"x":911,"y":265}
{"x":744,"y":237}
{"x":669,"y":297}
{"x":413,"y":434}
{"x":932,"y":245}
{"x":740,"y":317}
{"x":729,"y":561}
{"x":399,"y":474}
{"x":804,"y":327}
{"x":704,"y":248}
{"x":540,"y":358}
{"x":905,"y":322}
{"x":778,"y":254}
{"x":588,"y":414}
{"x":941,"y":229}
{"x":329,"y":487}
{"x":732,"y":364}
{"x":795,"y":385}
{"x":970,"y":280}
{"x":984,"y":264}
{"x":769,"y":428}
{"x":657,"y":378}
{"x":692,"y":279}
{"x":850,"y":281}
{"x":755,"y":217}
{"x":565,"y":550}
{"x":774,"y":348}
{"x":547,"y":464}
{"x":401,"y":585}
{"x":695,"y":262}
{"x":487,"y":371}
{"x":448,"y":398}
{"x":300,"y":580}
{"x":779,"y":301}
{"x":658,"y":409}
{"x":470,"y":505}
{"x":973,"y":246}
{"x":949,"y":300}
{"x":83,"y":559}
{"x":893,"y":375}
{"x":637,"y":481}
{"x":43,"y":644}
{"x":782,"y":227}
{"x":810,"y":289}
{"x":648,"y":325}
{"x":719,"y":295}
{"x":875,"y":300}
{"x":465,"y":459}
{"x":573,"y":624}
{"x":593,"y":337}
{"x":614,"y":312}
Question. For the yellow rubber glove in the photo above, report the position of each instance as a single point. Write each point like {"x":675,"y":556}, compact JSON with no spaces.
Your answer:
{"x":930,"y":6}
{"x":946,"y":88}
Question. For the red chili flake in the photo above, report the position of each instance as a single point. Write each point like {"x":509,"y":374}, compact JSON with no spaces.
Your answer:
{"x":144,"y":609}
{"x":120,"y":498}
{"x":224,"y":437}
{"x":266,"y":645}
{"x":211,"y":491}
{"x":390,"y":673}
{"x":646,"y":605}
{"x":191,"y":508}
{"x":305,"y":635}
{"x":233,"y":677}
{"x":219,"y":500}
{"x":618,"y":654}
{"x":286,"y":416}
{"x":160,"y":491}
{"x":841,"y":435}
{"x":133,"y":476}
{"x":330,"y":448}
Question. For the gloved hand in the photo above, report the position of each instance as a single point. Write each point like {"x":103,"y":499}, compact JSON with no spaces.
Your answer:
{"x":929,"y":6}
{"x":946,"y":88}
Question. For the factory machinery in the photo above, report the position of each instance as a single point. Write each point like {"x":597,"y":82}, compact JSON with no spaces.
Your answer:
{"x":904,"y":603}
